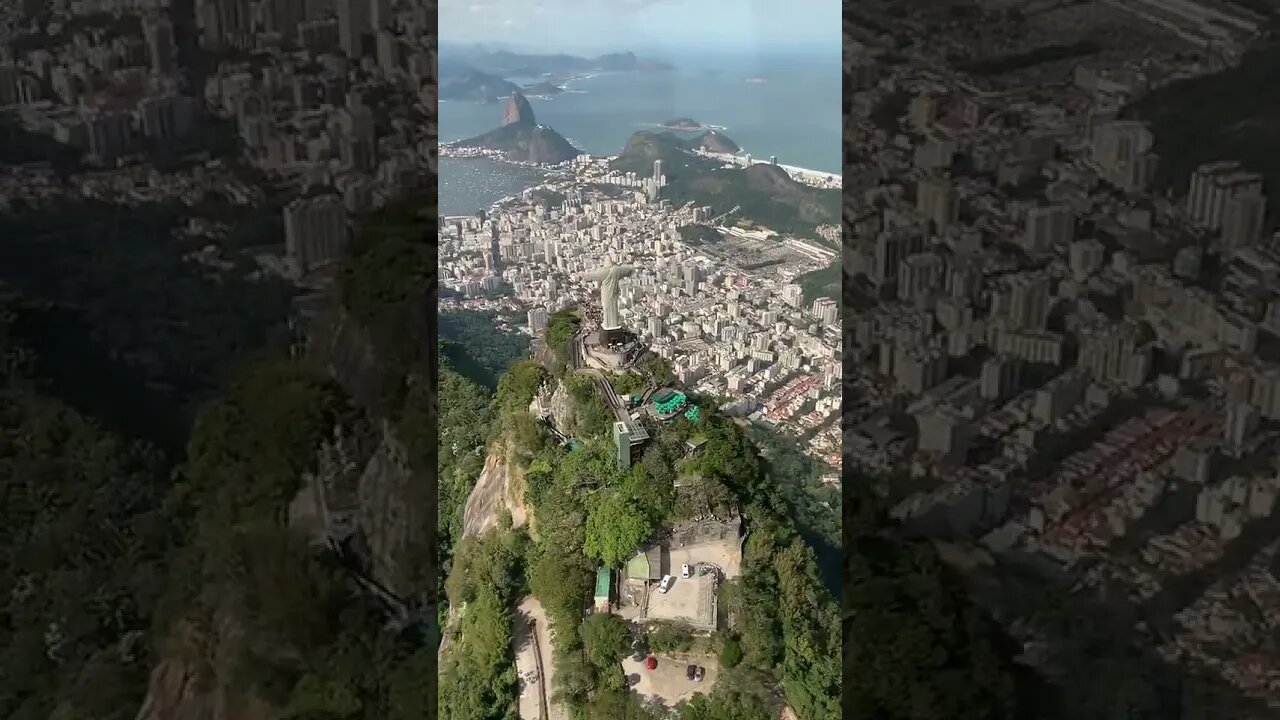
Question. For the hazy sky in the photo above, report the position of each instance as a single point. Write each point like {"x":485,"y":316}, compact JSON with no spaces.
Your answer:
{"x":661,"y":27}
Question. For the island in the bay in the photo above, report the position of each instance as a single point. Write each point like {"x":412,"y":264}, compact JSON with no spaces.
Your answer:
{"x":543,"y":89}
{"x":521,"y":139}
{"x":684,"y":124}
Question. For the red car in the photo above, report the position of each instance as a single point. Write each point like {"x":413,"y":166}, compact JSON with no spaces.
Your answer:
{"x":651,"y":663}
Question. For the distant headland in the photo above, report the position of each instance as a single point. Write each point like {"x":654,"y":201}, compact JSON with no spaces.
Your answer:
{"x":684,"y":123}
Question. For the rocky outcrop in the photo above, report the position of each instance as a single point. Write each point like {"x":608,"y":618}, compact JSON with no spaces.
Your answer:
{"x":518,"y":111}
{"x":194,"y":678}
{"x":521,"y":139}
{"x":493,"y":493}
{"x":562,"y":410}
{"x":345,"y":349}
{"x":716,"y":142}
{"x":393,"y":518}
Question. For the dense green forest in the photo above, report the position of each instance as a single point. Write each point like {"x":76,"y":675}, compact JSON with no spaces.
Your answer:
{"x":468,"y":340}
{"x":823,"y":282}
{"x":152,"y":437}
{"x":83,"y":552}
{"x":589,"y":513}
{"x":308,"y":642}
{"x":125,"y":329}
{"x":917,"y":647}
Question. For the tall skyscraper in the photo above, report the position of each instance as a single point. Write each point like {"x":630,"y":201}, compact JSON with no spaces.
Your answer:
{"x":936,"y":200}
{"x":495,"y":251}
{"x":1213,"y":185}
{"x":692,"y":278}
{"x":1047,"y":227}
{"x":1029,"y":302}
{"x":284,"y":17}
{"x":166,"y":118}
{"x":160,"y":52}
{"x":537,"y":320}
{"x":1122,"y":149}
{"x":1085,"y":257}
{"x":1116,"y":354}
{"x":1243,"y":218}
{"x":919,"y":276}
{"x":1241,"y":421}
{"x":315,"y":231}
{"x":793,"y":295}
{"x":9,"y":77}
{"x":826,"y":310}
{"x":227,"y":24}
{"x":380,"y":15}
{"x":354,"y":21}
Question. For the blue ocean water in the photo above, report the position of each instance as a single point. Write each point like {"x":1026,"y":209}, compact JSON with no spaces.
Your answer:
{"x":788,"y":108}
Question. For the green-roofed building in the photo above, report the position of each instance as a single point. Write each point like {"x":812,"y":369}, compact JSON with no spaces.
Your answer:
{"x":604,"y":586}
{"x":646,"y":565}
{"x":693,"y":414}
{"x":668,"y":402}
{"x":662,"y":395}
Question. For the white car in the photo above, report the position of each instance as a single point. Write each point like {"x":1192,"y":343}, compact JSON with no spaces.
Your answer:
{"x":667,"y":582}
{"x":686,"y":571}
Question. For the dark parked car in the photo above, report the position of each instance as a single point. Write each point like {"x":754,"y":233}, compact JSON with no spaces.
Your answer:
{"x":694,"y":673}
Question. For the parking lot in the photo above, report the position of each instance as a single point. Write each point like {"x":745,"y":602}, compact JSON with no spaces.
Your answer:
{"x":722,"y":554}
{"x":691,"y":601}
{"x":668,"y":683}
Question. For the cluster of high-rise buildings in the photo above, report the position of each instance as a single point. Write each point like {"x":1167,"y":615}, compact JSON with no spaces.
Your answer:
{"x":730,"y":327}
{"x":1077,"y":351}
{"x":328,"y":98}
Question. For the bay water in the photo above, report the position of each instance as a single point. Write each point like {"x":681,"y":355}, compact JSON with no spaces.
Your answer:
{"x":788,"y":107}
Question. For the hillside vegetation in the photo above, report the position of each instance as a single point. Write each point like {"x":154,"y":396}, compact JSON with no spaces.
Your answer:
{"x":765,"y":194}
{"x":588,"y":513}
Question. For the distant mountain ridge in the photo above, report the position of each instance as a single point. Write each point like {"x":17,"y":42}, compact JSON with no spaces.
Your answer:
{"x":510,"y":64}
{"x":467,"y":83}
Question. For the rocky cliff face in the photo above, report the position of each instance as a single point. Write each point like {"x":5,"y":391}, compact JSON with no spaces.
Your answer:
{"x":391,"y":506}
{"x":394,"y":519}
{"x":193,"y":680}
{"x":562,"y":414}
{"x":518,"y":111}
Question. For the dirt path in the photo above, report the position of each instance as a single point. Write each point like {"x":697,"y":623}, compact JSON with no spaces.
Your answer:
{"x":532,"y":688}
{"x":532,"y":639}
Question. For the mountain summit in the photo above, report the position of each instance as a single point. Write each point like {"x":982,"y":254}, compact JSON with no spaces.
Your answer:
{"x":522,"y":139}
{"x":518,"y":111}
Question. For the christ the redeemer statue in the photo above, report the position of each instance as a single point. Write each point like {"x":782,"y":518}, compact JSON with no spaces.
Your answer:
{"x":611,"y":319}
